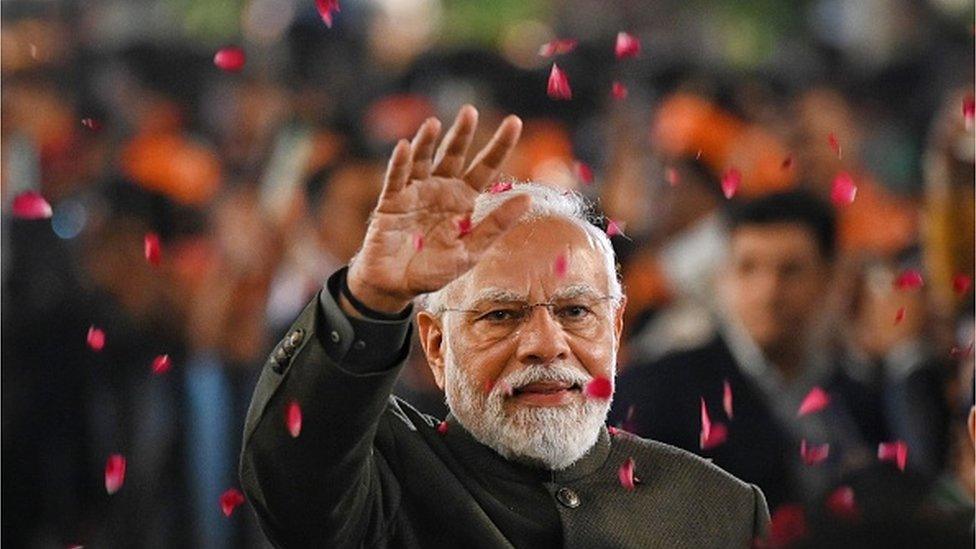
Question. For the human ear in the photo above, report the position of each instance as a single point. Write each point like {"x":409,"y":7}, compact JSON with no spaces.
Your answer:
{"x":432,"y":340}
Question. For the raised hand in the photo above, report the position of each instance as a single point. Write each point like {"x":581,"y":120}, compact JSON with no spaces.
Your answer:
{"x":419,"y":237}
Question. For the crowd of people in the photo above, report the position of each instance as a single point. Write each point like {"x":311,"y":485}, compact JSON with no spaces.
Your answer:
{"x":750,"y":283}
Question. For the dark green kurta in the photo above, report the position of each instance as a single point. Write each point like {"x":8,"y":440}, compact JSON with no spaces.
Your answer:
{"x":369,"y":470}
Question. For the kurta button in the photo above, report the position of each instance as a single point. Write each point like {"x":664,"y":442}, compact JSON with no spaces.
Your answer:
{"x":568,"y":497}
{"x":335,"y":336}
{"x":280,"y":355}
{"x":295,"y":338}
{"x":359,"y":345}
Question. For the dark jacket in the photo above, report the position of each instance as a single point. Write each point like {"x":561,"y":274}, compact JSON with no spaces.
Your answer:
{"x":369,"y":470}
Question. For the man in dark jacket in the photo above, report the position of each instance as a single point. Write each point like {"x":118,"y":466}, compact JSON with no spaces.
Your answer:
{"x":521,"y":330}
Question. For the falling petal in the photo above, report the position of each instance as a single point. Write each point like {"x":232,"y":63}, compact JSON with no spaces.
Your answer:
{"x":230,"y":59}
{"x":712,"y":434}
{"x":613,"y":431}
{"x":229,"y":500}
{"x":899,"y":315}
{"x":326,"y":9}
{"x":442,"y":428}
{"x":671,"y":175}
{"x":96,"y":338}
{"x":909,"y":279}
{"x":153,"y":250}
{"x":894,"y":451}
{"x":583,"y":172}
{"x":813,"y":454}
{"x":293,"y":418}
{"x":730,"y":182}
{"x":968,"y":109}
{"x":558,"y":85}
{"x":788,"y":525}
{"x":817,"y":399}
{"x":560,"y":266}
{"x":613,"y":228}
{"x":618,"y":91}
{"x":599,"y":388}
{"x":161,"y":364}
{"x":418,"y":242}
{"x":727,"y":398}
{"x":114,"y":473}
{"x":31,"y":205}
{"x":500,"y":187}
{"x":841,"y":504}
{"x":464,"y":226}
{"x":488,"y":385}
{"x":626,"y":474}
{"x":627,"y":45}
{"x":91,"y":124}
{"x":961,"y":283}
{"x":834,"y":144}
{"x":787,"y":163}
{"x":558,"y":47}
{"x":843,"y":191}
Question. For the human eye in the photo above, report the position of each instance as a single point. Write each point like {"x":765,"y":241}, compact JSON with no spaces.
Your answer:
{"x":574,"y":311}
{"x":500,"y":314}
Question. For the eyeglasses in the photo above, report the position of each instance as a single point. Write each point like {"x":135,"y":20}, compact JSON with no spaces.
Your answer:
{"x":584,"y":316}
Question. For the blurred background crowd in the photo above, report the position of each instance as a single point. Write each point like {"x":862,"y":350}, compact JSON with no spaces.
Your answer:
{"x":259,"y":184}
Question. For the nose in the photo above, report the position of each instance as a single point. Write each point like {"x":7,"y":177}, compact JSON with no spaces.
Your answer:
{"x":541,"y":340}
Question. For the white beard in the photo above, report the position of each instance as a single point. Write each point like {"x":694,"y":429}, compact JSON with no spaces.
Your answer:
{"x":555,"y":437}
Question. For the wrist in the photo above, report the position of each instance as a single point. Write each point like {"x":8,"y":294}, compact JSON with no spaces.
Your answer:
{"x":360,"y":295}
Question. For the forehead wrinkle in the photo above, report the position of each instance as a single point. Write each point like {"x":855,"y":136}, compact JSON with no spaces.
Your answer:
{"x":503,"y":295}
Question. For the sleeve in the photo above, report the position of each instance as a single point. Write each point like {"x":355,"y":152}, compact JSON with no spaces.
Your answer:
{"x":760,"y":515}
{"x":324,"y":487}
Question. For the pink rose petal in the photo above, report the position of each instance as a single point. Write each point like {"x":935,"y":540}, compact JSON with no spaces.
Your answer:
{"x":442,"y":428}
{"x":464,"y":226}
{"x":500,"y":187}
{"x":834,"y":144}
{"x":961,"y":283}
{"x":326,"y":10}
{"x":418,"y":242}
{"x":293,"y":419}
{"x":712,"y":434}
{"x":896,"y":451}
{"x":727,"y":398}
{"x":161,"y":364}
{"x":96,"y":338}
{"x":909,"y":279}
{"x":843,"y":191}
{"x":968,"y":109}
{"x":627,"y":46}
{"x":558,"y":88}
{"x":114,"y":473}
{"x":841,"y":504}
{"x":731,"y":180}
{"x":899,"y":315}
{"x":229,"y":501}
{"x":583,"y":172}
{"x":230,"y":59}
{"x":599,"y":388}
{"x":788,"y":525}
{"x":618,"y":91}
{"x":613,"y":228}
{"x":31,"y":205}
{"x":152,"y":249}
{"x":813,"y":454}
{"x":626,"y":474}
{"x":817,"y":399}
{"x":558,"y":47}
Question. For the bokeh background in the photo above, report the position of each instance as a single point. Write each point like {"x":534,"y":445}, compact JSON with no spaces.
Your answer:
{"x":259,"y":184}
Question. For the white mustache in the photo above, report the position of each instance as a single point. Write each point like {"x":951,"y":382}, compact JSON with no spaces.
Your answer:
{"x":535,"y":373}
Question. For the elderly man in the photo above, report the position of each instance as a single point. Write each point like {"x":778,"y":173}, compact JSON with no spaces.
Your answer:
{"x":522,"y":326}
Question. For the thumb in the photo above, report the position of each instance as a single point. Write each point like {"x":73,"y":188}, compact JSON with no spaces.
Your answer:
{"x":497,"y":222}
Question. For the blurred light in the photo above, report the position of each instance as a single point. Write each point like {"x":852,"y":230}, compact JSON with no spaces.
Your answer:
{"x":520,"y":43}
{"x":402,"y":29}
{"x":265,"y":21}
{"x":69,"y":219}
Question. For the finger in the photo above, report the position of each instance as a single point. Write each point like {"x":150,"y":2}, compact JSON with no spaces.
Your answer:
{"x":422,"y":148}
{"x":486,"y":165}
{"x":450,"y":155}
{"x":496,"y":223}
{"x":398,"y":170}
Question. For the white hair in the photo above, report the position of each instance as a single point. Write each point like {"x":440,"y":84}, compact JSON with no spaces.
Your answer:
{"x":547,"y":201}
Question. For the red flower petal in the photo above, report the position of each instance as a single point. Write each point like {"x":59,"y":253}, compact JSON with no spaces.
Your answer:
{"x":96,"y":338}
{"x":626,"y":474}
{"x":442,"y":427}
{"x":618,"y":91}
{"x":153,"y":250}
{"x":899,"y":315}
{"x":813,"y":454}
{"x":91,"y":124}
{"x":834,"y":144}
{"x":293,"y":418}
{"x":230,"y":499}
{"x":894,"y":451}
{"x":968,"y":109}
{"x":599,"y":387}
{"x":557,"y":47}
{"x":613,"y":431}
{"x":788,"y":525}
{"x":613,"y":228}
{"x":558,"y":85}
{"x":464,"y":226}
{"x":418,"y":242}
{"x":161,"y":364}
{"x":961,"y":283}
{"x":730,"y":182}
{"x":500,"y":187}
{"x":843,"y":191}
{"x":727,"y":398}
{"x":787,"y":163}
{"x":909,"y":279}
{"x":671,"y":175}
{"x":326,"y":9}
{"x":817,"y":399}
{"x":841,"y":504}
{"x":583,"y":172}
{"x":31,"y":205}
{"x":114,"y":473}
{"x":712,"y":434}
{"x":560,"y":266}
{"x":627,"y":46}
{"x":230,"y":59}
